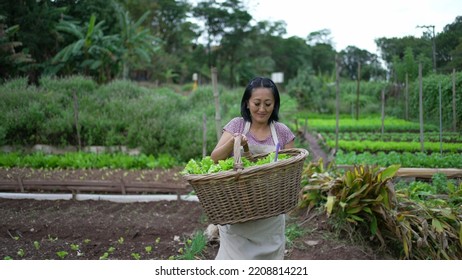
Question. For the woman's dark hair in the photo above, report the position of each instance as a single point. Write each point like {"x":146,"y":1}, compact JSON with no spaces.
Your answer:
{"x":260,"y":82}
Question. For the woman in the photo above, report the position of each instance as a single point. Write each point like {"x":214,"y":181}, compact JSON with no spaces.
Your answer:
{"x":261,"y":132}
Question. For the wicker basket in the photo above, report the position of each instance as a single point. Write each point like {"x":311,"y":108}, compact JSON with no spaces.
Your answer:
{"x":252,"y":193}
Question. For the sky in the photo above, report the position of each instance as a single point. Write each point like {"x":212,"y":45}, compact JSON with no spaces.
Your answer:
{"x":357,"y":22}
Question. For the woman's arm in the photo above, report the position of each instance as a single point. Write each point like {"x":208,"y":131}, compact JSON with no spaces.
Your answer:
{"x":289,"y":145}
{"x":225,"y":146}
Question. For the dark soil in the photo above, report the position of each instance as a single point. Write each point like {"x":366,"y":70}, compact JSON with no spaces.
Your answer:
{"x":92,"y":230}
{"x":40,"y":229}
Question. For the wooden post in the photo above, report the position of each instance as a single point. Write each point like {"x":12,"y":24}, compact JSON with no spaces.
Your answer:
{"x":122,"y":186}
{"x":204,"y":135}
{"x":383,"y":111}
{"x":21,"y":185}
{"x":76,"y":119}
{"x":454,"y":115}
{"x":217,"y":102}
{"x":441,"y":120}
{"x":421,"y":109}
{"x":357,"y":90}
{"x":406,"y":99}
{"x":337,"y":100}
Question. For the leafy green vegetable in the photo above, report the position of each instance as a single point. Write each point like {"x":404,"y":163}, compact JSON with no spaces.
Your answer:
{"x":207,"y":166}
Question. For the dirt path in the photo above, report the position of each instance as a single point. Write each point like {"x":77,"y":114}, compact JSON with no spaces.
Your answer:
{"x":315,"y":150}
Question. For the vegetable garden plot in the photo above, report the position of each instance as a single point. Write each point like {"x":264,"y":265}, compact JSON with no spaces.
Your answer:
{"x":363,"y":142}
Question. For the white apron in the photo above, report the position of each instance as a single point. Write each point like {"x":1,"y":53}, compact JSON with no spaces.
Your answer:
{"x":262,"y":239}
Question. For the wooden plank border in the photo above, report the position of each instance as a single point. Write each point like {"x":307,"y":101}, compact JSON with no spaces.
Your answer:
{"x":77,"y":186}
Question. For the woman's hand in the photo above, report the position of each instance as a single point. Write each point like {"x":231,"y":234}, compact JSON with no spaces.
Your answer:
{"x":224,"y":147}
{"x":244,"y":142}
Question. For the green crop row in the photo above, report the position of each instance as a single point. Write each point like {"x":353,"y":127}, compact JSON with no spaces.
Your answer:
{"x":406,"y":159}
{"x":78,"y":160}
{"x":396,"y":137}
{"x":370,"y":124}
{"x":376,"y":146}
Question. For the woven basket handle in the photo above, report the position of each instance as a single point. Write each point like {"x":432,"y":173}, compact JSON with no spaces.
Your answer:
{"x":237,"y":153}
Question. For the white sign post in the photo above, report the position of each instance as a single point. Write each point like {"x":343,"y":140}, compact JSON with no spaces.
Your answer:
{"x":277,"y":77}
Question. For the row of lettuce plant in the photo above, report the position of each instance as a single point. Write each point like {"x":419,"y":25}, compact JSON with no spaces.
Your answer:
{"x":406,"y":159}
{"x":369,"y":124}
{"x":447,"y":137}
{"x":377,"y":146}
{"x":80,"y":160}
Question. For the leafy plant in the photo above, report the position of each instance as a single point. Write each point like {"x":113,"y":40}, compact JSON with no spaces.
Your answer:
{"x":51,"y":238}
{"x":363,"y":200}
{"x":293,"y":232}
{"x":37,"y":245}
{"x":21,"y":253}
{"x":62,"y":254}
{"x":105,"y":256}
{"x":315,"y":184}
{"x":136,"y":256}
{"x":207,"y":166}
{"x":75,"y":247}
{"x":193,"y":247}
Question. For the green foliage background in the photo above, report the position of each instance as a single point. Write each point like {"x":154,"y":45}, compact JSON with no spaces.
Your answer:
{"x":157,"y":120}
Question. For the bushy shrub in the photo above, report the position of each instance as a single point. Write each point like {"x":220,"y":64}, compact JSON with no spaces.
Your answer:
{"x":157,"y":120}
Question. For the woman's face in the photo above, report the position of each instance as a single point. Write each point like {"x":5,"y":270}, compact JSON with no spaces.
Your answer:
{"x":261,"y":105}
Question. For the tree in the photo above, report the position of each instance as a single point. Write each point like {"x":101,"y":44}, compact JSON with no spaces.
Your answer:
{"x":213,"y":17}
{"x":169,"y":22}
{"x":371,"y":68}
{"x":36,"y":22}
{"x":449,"y":46}
{"x":92,"y":52}
{"x":322,"y":52}
{"x":237,"y":26}
{"x":390,"y":47}
{"x":136,"y":42}
{"x":81,"y":11}
{"x":12,"y":62}
{"x":291,"y":55}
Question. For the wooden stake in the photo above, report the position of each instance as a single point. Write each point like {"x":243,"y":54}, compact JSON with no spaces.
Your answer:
{"x":357,"y":90}
{"x":122,"y":186}
{"x":76,"y":119}
{"x":383,"y":111}
{"x":21,"y":185}
{"x":217,"y":102}
{"x":454,"y":115}
{"x":421,"y":109}
{"x":337,"y":100}
{"x":204,"y":135}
